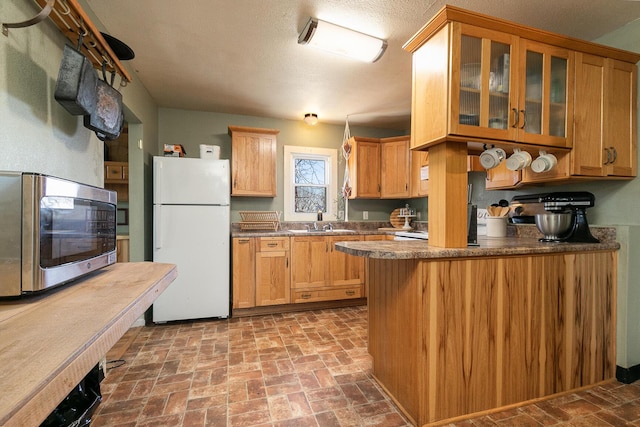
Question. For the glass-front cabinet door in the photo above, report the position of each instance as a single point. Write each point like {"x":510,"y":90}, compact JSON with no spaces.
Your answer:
{"x":482,"y":80}
{"x":545,"y":95}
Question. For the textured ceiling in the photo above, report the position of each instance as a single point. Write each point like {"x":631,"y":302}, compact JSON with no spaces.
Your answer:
{"x":242,"y":56}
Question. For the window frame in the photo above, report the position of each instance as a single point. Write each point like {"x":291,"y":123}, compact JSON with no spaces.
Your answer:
{"x":330,"y":156}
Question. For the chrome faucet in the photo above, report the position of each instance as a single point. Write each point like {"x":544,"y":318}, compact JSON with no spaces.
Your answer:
{"x":328,"y":226}
{"x":315,"y":226}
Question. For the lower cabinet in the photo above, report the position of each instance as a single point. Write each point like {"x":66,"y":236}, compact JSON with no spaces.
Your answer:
{"x":243,"y":275}
{"x":272,"y":271}
{"x":122,"y":249}
{"x":320,"y":273}
{"x":260,"y":271}
{"x":283,"y":270}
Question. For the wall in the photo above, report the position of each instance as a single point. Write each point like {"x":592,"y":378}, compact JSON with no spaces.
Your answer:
{"x":192,"y":128}
{"x":36,"y":133}
{"x":618,"y":205}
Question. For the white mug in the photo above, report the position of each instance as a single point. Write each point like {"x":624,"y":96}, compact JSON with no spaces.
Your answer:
{"x":518,"y":160}
{"x":544,"y":163}
{"x":492,"y":157}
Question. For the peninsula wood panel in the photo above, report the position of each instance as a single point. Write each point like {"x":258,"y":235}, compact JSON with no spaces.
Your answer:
{"x":493,"y":331}
{"x":395,"y":339}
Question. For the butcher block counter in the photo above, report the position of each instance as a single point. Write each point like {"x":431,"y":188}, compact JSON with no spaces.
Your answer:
{"x":48,"y":343}
{"x":461,"y":332}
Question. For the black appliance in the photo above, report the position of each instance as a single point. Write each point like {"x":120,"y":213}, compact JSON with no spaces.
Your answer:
{"x":525,"y":207}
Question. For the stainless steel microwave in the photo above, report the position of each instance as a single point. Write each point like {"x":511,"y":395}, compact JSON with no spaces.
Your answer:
{"x":53,"y":231}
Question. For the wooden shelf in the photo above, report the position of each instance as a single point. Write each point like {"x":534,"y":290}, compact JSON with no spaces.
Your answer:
{"x":66,"y":332}
{"x":72,"y":20}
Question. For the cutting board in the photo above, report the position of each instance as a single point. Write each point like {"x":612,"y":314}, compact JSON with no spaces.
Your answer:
{"x":396,"y":221}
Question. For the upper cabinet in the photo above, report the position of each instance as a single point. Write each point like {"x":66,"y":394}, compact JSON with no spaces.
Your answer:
{"x":501,"y":86}
{"x":605,"y":124}
{"x":484,"y":81}
{"x":380,"y":168}
{"x":253,"y":161}
{"x":364,"y":168}
{"x":395,"y":169}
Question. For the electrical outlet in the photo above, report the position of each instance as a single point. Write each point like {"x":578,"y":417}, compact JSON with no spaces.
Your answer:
{"x":365,"y":214}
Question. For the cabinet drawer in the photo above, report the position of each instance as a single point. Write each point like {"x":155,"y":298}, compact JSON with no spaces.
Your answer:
{"x":273,"y":244}
{"x":328,"y":294}
{"x":113,"y":172}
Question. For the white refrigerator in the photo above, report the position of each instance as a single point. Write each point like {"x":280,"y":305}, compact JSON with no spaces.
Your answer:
{"x":191,"y":228}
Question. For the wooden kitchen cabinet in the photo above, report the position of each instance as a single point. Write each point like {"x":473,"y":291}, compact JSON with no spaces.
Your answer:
{"x":502,"y":178}
{"x":116,"y":173}
{"x":502,"y":87}
{"x":310,"y":264}
{"x":345,"y":269}
{"x":605,"y":117}
{"x":380,"y":167}
{"x":253,"y":161}
{"x":395,"y":167}
{"x":419,"y":170}
{"x":116,"y":178}
{"x":243,"y":274}
{"x":273,"y":276}
{"x":122,"y":249}
{"x":319,"y":273}
{"x":364,"y":168}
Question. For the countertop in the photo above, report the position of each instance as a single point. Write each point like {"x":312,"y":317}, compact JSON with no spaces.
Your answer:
{"x":488,"y":246}
{"x":49,"y":342}
{"x":289,"y":233}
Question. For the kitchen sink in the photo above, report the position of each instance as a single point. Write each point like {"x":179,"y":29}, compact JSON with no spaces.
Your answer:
{"x":335,"y":230}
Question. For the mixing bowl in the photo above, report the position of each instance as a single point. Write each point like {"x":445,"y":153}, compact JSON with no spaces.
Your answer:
{"x":553,"y":225}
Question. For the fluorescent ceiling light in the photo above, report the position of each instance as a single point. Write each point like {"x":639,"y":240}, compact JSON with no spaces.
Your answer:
{"x":342,"y":41}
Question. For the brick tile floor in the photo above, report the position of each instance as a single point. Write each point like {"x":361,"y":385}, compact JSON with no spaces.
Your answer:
{"x":295,"y":369}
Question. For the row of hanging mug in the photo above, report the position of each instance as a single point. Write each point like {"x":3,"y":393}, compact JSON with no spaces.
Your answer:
{"x":492,"y":157}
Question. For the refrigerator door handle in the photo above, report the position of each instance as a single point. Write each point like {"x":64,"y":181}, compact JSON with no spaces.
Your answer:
{"x":157,"y":235}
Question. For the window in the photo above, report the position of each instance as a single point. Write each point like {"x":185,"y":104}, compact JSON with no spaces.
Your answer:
{"x":311,"y":177}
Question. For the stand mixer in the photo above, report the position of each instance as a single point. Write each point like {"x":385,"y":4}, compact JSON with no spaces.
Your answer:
{"x":576,"y":203}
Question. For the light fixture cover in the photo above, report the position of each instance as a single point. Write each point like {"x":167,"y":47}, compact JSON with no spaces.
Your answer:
{"x":311,"y":119}
{"x":342,"y":41}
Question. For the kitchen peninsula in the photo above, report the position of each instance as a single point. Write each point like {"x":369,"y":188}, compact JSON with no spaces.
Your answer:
{"x":459,"y":331}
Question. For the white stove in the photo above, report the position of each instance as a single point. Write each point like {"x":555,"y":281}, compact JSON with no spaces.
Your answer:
{"x":411,"y":235}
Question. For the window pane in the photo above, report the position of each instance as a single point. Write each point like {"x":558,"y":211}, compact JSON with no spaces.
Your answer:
{"x":310,"y":199}
{"x":308,"y":171}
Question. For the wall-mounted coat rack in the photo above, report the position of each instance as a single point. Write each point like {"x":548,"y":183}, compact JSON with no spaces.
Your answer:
{"x":72,"y":21}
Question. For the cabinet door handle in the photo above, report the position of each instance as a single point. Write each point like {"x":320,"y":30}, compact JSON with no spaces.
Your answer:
{"x":305,"y":296}
{"x":286,"y":264}
{"x":235,"y":182}
{"x":524,"y":119}
{"x":516,"y":118}
{"x":350,"y":293}
{"x":608,"y":151}
{"x":243,"y":241}
{"x":406,"y":187}
{"x":272,"y":245}
{"x":615,"y":154}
